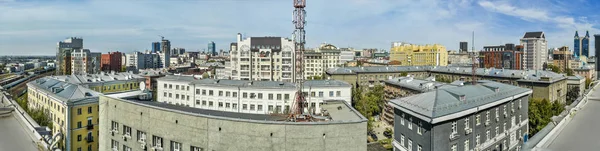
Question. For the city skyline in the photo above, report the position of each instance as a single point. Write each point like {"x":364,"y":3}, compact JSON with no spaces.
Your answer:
{"x":34,"y":27}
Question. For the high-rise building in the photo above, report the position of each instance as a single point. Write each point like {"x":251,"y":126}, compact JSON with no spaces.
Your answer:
{"x":63,"y":54}
{"x":585,"y":45}
{"x":165,"y":50}
{"x":112,"y":61}
{"x":85,"y":62}
{"x":577,"y":44}
{"x":464,"y":47}
{"x":155,"y":47}
{"x":143,"y":60}
{"x":561,"y":58}
{"x":212,"y":49}
{"x":597,"y":47}
{"x":503,"y":56}
{"x":535,"y":53}
{"x":419,"y":55}
{"x":263,"y":59}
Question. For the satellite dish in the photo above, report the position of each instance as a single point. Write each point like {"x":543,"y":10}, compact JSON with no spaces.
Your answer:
{"x":142,"y":85}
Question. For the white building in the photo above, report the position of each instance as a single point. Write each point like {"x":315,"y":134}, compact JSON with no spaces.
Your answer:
{"x":263,"y":59}
{"x":325,"y":57}
{"x":535,"y":50}
{"x":224,"y":72}
{"x":85,"y":62}
{"x":143,"y":60}
{"x":258,"y":97}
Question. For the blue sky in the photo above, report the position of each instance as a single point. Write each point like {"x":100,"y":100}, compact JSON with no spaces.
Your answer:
{"x":34,"y":27}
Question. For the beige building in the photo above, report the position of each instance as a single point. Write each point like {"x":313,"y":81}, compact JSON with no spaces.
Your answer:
{"x":319,"y":60}
{"x":561,"y":58}
{"x":263,"y":59}
{"x":419,"y":55}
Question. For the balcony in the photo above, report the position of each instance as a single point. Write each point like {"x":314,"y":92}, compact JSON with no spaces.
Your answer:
{"x":90,"y":126}
{"x":89,"y":139}
{"x":453,"y":136}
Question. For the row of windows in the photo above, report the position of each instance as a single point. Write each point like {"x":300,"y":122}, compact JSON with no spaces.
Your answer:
{"x":409,"y":146}
{"x":157,"y":141}
{"x":270,"y":96}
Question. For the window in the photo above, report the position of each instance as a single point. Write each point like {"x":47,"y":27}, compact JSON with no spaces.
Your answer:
{"x":402,"y":140}
{"x":496,"y":113}
{"x":90,"y":110}
{"x":504,"y":127}
{"x":453,"y":147}
{"x":165,"y":86}
{"x":115,"y":126}
{"x":227,"y":94}
{"x":419,"y":130}
{"x":478,"y":119}
{"x":203,"y":92}
{"x":338,"y":93}
{"x":252,"y":107}
{"x":320,"y":93}
{"x":78,"y":148}
{"x":270,"y":96}
{"x":454,"y":125}
{"x":504,"y":111}
{"x":497,"y":131}
{"x":126,"y":148}
{"x":203,"y":102}
{"x":409,"y":144}
{"x":175,"y":146}
{"x":487,"y":135}
{"x":244,"y":106}
{"x":512,"y":106}
{"x":89,"y":121}
{"x":157,"y":141}
{"x":170,"y":95}
{"x":210,"y":92}
{"x":114,"y":144}
{"x":477,"y":140}
{"x":520,"y":119}
{"x":244,"y":95}
{"x":278,"y":96}
{"x":286,"y":96}
{"x":467,"y":123}
{"x":234,"y":105}
{"x":170,"y":86}
{"x":487,"y":117}
{"x":194,"y":148}
{"x":227,"y":105}
{"x":235,"y":94}
{"x":165,"y":95}
{"x":79,"y":111}
{"x":402,"y":119}
{"x":177,"y":87}
{"x":79,"y":124}
{"x":220,"y":104}
{"x":419,"y":148}
{"x":90,"y":147}
{"x":126,"y":130}
{"x":176,"y":96}
{"x":260,"y":107}
{"x":79,"y":138}
{"x":409,"y":123}
{"x":187,"y":97}
{"x":197,"y":91}
{"x":467,"y":145}
{"x":330,"y":93}
{"x":519,"y":104}
{"x":259,"y":95}
{"x":141,"y":136}
{"x":187,"y":88}
{"x":210,"y":103}
{"x":197,"y":102}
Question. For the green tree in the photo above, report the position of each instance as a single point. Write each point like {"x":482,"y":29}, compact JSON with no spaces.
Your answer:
{"x":370,"y":103}
{"x":554,"y":68}
{"x":587,"y":83}
{"x":572,"y":95}
{"x":404,"y":74}
{"x":541,"y":112}
{"x":314,"y":78}
{"x":569,"y":72}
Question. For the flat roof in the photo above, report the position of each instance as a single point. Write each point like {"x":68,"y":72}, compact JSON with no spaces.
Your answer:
{"x":346,"y":115}
{"x":254,"y":84}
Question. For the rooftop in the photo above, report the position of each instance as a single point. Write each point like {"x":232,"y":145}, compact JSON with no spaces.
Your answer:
{"x":97,"y":78}
{"x":254,"y":84}
{"x":344,"y":115}
{"x":66,"y":92}
{"x":537,"y":34}
{"x":416,"y":84}
{"x":432,"y":106}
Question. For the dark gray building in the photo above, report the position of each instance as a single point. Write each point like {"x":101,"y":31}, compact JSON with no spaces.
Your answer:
{"x":464,"y":46}
{"x":597,"y":47}
{"x":486,"y":116}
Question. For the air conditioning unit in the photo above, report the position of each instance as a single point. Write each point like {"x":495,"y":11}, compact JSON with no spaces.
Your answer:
{"x":497,"y":119}
{"x":115,"y":149}
{"x":142,"y":140}
{"x":158,"y":147}
{"x":143,"y":146}
{"x":468,"y":131}
{"x":124,"y":138}
{"x":487,"y":122}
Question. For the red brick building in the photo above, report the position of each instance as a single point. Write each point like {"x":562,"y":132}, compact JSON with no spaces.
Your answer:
{"x":111,"y":61}
{"x":506,"y":56}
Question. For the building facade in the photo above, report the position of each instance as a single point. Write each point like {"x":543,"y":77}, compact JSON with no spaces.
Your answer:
{"x":165,"y":53}
{"x":124,"y":125}
{"x":73,"y":110}
{"x":155,"y":47}
{"x":212,"y":48}
{"x":417,"y":55}
{"x":112,"y":61}
{"x":263,"y":59}
{"x":597,"y":47}
{"x":85,"y":62}
{"x":535,"y":53}
{"x":503,"y":56}
{"x":486,"y":116}
{"x":143,"y":60}
{"x":319,"y":60}
{"x":561,"y":58}
{"x":106,"y":82}
{"x":256,"y":97}
{"x":464,"y":47}
{"x":63,"y":54}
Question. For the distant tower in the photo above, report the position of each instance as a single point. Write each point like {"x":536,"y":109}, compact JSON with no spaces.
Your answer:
{"x":212,"y":49}
{"x":166,"y":49}
{"x":585,"y":43}
{"x":577,"y":45}
{"x":155,"y":47}
{"x":464,"y":47}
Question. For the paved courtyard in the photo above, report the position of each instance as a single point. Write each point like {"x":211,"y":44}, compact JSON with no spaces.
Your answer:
{"x":582,"y":133}
{"x":13,"y":136}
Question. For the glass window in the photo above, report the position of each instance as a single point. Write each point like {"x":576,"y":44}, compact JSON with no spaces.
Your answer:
{"x":260,"y":107}
{"x":244,"y":106}
{"x":278,"y":96}
{"x":244,"y":95}
{"x":235,"y":94}
{"x":339,"y":93}
{"x":270,"y":96}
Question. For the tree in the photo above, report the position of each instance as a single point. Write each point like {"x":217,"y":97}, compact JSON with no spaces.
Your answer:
{"x":314,"y":78}
{"x":370,"y":103}
{"x":554,"y":68}
{"x":587,"y":83}
{"x":541,"y":112}
{"x":569,"y":72}
{"x":404,"y":74}
{"x":572,"y":95}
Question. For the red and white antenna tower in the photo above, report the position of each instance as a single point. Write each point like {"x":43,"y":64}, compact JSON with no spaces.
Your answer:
{"x":299,"y":41}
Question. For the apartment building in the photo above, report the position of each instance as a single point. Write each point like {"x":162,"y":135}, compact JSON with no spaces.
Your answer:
{"x":506,"y":56}
{"x":112,"y":61}
{"x":72,"y":108}
{"x":63,"y":54}
{"x":419,"y":55}
{"x":256,"y":97}
{"x":264,"y":59}
{"x":486,"y":116}
{"x":561,"y":58}
{"x":535,"y":48}
{"x":85,"y":62}
{"x":141,"y":60}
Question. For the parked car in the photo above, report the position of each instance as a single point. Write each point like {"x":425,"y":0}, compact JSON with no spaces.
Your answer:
{"x":387,"y":134}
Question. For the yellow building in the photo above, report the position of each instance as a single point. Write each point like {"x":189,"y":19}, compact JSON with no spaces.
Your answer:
{"x":418,"y":55}
{"x":73,"y":110}
{"x":106,"y":82}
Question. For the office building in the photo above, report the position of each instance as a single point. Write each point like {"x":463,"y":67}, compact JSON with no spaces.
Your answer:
{"x":111,"y":61}
{"x":561,"y":58}
{"x":486,"y":116}
{"x":63,"y":54}
{"x":165,"y":53}
{"x":256,"y":97}
{"x":130,"y":124}
{"x":577,"y":44}
{"x":419,"y":55}
{"x":464,"y":47}
{"x":597,"y":47}
{"x":143,"y":60}
{"x":535,"y":53}
{"x":73,"y":110}
{"x":263,"y":59}
{"x":212,"y":49}
{"x":155,"y":47}
{"x":504,"y":56}
{"x":585,"y":45}
{"x":85,"y":62}
{"x":177,"y":51}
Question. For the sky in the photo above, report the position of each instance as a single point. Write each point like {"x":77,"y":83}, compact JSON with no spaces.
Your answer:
{"x":33,"y":27}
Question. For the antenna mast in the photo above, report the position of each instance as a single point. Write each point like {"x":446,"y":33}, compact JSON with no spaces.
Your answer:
{"x":299,"y":41}
{"x":475,"y":61}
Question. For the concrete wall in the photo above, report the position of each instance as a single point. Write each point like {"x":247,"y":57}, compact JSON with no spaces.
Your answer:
{"x":213,"y":133}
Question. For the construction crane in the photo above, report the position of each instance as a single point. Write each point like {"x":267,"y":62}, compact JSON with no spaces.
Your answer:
{"x":299,"y":41}
{"x":161,"y":37}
